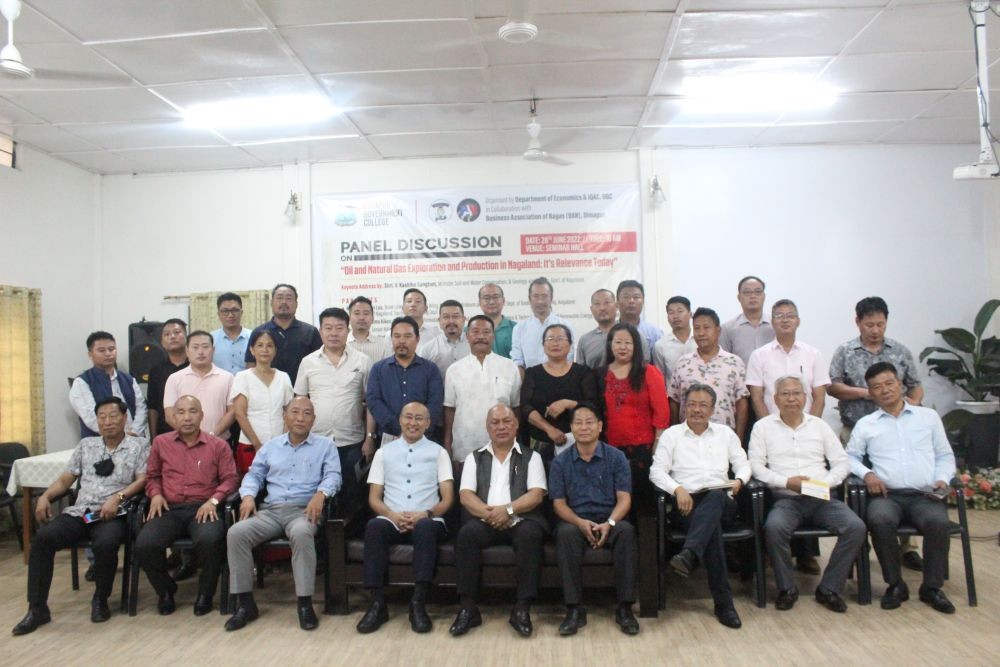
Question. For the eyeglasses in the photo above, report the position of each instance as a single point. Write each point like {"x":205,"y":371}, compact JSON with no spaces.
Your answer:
{"x":752,"y":292}
{"x":491,"y":297}
{"x":413,"y":418}
{"x":230,"y":311}
{"x":556,"y":339}
{"x":784,"y":316}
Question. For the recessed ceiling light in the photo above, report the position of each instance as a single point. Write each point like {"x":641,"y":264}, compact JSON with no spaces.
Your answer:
{"x":279,"y":110}
{"x":755,"y":94}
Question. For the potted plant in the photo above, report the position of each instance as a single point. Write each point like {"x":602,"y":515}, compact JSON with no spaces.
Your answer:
{"x":972,"y":363}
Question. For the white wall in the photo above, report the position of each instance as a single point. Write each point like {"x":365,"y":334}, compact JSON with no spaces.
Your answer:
{"x":48,"y":215}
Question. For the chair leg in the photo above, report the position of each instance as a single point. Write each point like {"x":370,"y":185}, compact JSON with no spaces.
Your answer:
{"x":258,"y":560}
{"x":18,"y":530}
{"x":864,"y":574}
{"x":133,"y":593}
{"x":648,"y":597}
{"x":661,"y":552}
{"x":74,"y":566}
{"x":224,"y":589}
{"x":126,"y":575}
{"x":970,"y":577}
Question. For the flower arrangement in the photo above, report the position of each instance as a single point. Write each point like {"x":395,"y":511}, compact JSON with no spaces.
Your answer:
{"x":981,"y":489}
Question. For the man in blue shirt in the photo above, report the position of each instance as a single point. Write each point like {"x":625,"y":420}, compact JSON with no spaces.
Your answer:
{"x":232,"y":337}
{"x":301,"y":470}
{"x":911,"y":465}
{"x":590,"y":484}
{"x":403,"y":378}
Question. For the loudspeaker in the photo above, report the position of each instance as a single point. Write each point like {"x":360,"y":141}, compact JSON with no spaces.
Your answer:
{"x":144,"y":351}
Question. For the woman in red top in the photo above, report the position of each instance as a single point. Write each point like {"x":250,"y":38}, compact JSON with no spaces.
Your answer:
{"x":635,"y":406}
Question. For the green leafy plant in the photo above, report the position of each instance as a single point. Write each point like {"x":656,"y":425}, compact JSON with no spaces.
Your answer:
{"x":971,"y":362}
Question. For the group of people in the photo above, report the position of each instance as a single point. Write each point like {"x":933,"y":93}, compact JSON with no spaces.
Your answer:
{"x":597,"y":424}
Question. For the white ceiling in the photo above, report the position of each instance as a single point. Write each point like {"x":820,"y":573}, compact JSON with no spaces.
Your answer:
{"x":419,"y":78}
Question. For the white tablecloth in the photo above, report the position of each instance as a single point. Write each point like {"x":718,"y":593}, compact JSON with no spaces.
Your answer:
{"x":38,"y":471}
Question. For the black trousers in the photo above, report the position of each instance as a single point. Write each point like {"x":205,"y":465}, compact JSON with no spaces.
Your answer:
{"x":704,"y":537}
{"x":475,"y":535}
{"x":209,"y":545}
{"x":381,"y":534}
{"x":928,"y":516}
{"x":640,"y":458}
{"x":349,"y":488}
{"x":570,"y":547}
{"x":62,"y":532}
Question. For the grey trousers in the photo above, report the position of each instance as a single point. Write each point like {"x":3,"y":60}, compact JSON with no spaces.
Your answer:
{"x":270,"y":522}
{"x":788,"y":513}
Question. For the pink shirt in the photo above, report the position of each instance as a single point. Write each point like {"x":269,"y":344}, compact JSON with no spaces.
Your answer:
{"x":211,"y":389}
{"x":770,"y":362}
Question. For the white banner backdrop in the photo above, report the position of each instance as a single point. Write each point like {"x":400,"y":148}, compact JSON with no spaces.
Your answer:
{"x":450,"y":242}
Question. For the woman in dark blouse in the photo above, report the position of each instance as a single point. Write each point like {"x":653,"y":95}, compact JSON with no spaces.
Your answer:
{"x":553,"y":388}
{"x":636,"y":408}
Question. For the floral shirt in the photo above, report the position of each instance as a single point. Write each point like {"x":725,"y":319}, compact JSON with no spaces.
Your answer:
{"x":852,"y":360}
{"x":725,"y":373}
{"x":129,"y":458}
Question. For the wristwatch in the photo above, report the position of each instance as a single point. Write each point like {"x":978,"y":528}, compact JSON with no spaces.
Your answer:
{"x":510,"y":510}
{"x":121,"y":497}
{"x":214,"y":501}
{"x":430,"y":514}
{"x":370,"y":435}
{"x":611,"y":522}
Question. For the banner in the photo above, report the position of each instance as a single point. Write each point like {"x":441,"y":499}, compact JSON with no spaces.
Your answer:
{"x":449,"y":243}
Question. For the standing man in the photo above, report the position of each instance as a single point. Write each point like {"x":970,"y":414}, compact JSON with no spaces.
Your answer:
{"x":411,"y":489}
{"x":591,"y":485}
{"x":188,"y":476}
{"x":473,"y":384}
{"x":295,"y":338}
{"x":786,"y":449}
{"x":300,"y":470}
{"x":591,"y":348}
{"x":911,"y":467}
{"x":711,"y":365}
{"x":751,"y":328}
{"x":526,"y":339}
{"x":111,"y":468}
{"x":403,"y":378}
{"x":206,"y":382}
{"x":232,"y":337}
{"x":362,"y":314}
{"x":678,"y":341}
{"x":335,"y":378}
{"x":173,"y":340}
{"x":101,"y":380}
{"x":692,"y":464}
{"x":445,"y":350}
{"x":415,"y":306}
{"x":786,"y":356}
{"x":491,"y":302}
{"x":631,"y":297}
{"x":502,"y":489}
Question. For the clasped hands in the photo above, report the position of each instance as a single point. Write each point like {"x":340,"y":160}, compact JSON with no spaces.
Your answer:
{"x":877,"y":487}
{"x":158,"y":505}
{"x":405,"y":521}
{"x":595,"y":533}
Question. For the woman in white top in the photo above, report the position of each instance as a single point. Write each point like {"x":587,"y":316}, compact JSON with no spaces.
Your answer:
{"x":259,"y":396}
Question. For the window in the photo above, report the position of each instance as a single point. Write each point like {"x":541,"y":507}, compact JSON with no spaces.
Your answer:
{"x":22,"y":409}
{"x":6,"y":151}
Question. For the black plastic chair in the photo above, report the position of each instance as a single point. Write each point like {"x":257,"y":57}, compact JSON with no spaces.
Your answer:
{"x":139,"y":519}
{"x":862,"y":564}
{"x":858,"y":493}
{"x":10,"y":452}
{"x":747,"y":533}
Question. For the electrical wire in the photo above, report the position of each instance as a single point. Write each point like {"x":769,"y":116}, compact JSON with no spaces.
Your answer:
{"x":981,"y":96}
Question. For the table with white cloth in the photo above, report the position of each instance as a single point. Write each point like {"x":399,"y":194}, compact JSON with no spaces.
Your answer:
{"x":35,"y":472}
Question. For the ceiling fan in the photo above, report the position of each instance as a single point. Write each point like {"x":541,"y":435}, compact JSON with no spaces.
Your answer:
{"x":11,"y":64}
{"x":535,"y":152}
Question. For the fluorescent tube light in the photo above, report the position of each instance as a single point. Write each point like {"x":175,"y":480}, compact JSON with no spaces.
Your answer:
{"x":270,"y":111}
{"x":755,"y":94}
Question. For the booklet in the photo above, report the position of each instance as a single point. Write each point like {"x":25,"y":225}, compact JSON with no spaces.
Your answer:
{"x":816,"y":489}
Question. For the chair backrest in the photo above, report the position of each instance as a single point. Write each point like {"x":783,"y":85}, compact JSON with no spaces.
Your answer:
{"x":10,"y":452}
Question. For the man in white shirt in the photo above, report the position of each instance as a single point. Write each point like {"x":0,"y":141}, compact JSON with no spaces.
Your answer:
{"x":787,"y":449}
{"x":692,"y":463}
{"x":445,"y":350}
{"x":676,"y":342}
{"x":526,"y":346}
{"x":502,"y":488}
{"x":362,"y":314}
{"x":415,"y":306}
{"x":472,"y":386}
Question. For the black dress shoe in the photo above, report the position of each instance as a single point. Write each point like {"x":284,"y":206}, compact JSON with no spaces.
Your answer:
{"x":726,"y":614}
{"x":419,"y":620}
{"x":786,"y":599}
{"x":202,"y":604}
{"x":99,"y":611}
{"x":936,"y":598}
{"x":244,"y":614}
{"x":90,"y":574}
{"x":684,"y":563}
{"x":831,"y":600}
{"x":465,"y":621}
{"x":185,"y":571}
{"x":913,"y":561}
{"x":373,"y":619}
{"x":35,"y":617}
{"x":307,"y":616}
{"x":166,"y":605}
{"x":807,"y":564}
{"x":626,"y":619}
{"x":895,"y":595}
{"x":520,"y":620}
{"x":576,"y":618}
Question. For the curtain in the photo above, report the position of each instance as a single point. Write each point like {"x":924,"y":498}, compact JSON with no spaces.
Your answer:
{"x":202,"y":313}
{"x":22,"y":398}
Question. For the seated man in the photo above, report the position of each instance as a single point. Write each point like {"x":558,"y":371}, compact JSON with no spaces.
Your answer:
{"x":691,"y":463}
{"x":410,"y":492}
{"x":911,"y":465}
{"x":787,"y":449}
{"x":301,"y":470}
{"x":111,"y":468}
{"x":189,"y":473}
{"x":502,"y":487}
{"x":591,"y":485}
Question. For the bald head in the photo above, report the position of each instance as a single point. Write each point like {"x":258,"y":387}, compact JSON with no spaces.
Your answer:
{"x":188,"y":415}
{"x":299,"y":419}
{"x":414,"y":420}
{"x":501,"y":424}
